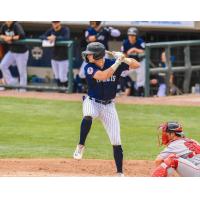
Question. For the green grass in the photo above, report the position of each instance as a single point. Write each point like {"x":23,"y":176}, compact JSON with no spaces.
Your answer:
{"x":31,"y":128}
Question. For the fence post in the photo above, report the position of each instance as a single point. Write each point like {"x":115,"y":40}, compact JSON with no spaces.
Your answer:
{"x":70,"y":73}
{"x":188,"y":70}
{"x":147,"y":72}
{"x":169,"y":67}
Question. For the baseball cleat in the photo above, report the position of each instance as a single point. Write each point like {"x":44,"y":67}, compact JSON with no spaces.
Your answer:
{"x":78,"y":154}
{"x":120,"y":174}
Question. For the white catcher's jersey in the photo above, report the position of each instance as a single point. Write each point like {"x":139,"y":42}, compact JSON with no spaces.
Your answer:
{"x":187,"y":165}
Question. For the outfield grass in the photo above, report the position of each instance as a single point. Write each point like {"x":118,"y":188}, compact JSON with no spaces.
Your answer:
{"x":31,"y":128}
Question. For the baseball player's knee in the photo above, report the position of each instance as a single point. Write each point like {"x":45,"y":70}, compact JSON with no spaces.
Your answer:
{"x":115,"y":141}
{"x":3,"y":66}
{"x":88,"y":118}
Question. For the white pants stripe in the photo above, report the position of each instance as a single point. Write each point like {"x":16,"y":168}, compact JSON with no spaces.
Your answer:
{"x":60,"y":69}
{"x":19,"y":59}
{"x":108,"y":116}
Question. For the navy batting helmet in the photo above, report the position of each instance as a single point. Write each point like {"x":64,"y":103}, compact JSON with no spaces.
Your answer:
{"x":132,"y":31}
{"x":96,"y":49}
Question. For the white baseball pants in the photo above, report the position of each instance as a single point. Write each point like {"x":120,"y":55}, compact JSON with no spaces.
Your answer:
{"x":108,"y":116}
{"x":20,"y":59}
{"x":60,"y":69}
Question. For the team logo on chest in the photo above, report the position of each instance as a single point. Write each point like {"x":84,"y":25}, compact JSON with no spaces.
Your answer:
{"x":90,"y":70}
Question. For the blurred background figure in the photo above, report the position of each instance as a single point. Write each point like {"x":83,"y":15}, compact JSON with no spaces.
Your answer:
{"x":133,"y":47}
{"x":173,"y":89}
{"x":96,"y":32}
{"x":59,"y":60}
{"x":159,"y":80}
{"x":17,"y":54}
{"x":1,"y":75}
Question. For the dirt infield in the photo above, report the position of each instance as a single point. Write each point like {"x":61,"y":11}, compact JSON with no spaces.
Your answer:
{"x":69,"y":167}
{"x":184,"y":100}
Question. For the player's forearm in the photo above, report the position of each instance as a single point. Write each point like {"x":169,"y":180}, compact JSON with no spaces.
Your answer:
{"x":91,"y":38}
{"x":115,"y":32}
{"x":16,"y":37}
{"x":3,"y":37}
{"x":139,"y":51}
{"x":133,"y":64}
{"x":135,"y":51}
{"x":103,"y":75}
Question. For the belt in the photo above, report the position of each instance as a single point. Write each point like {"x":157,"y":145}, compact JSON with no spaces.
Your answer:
{"x":101,"y":101}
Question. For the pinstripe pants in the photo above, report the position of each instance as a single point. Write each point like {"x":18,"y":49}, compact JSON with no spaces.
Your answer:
{"x":108,"y":116}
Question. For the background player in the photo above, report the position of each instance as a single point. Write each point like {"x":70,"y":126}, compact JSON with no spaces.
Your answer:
{"x":102,"y":77}
{"x":181,"y":154}
{"x":17,"y":54}
{"x":98,"y":33}
{"x":133,"y":47}
{"x":59,"y":61}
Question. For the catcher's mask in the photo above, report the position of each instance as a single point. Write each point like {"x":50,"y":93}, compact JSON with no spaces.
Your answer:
{"x":167,"y":128}
{"x":96,"y":49}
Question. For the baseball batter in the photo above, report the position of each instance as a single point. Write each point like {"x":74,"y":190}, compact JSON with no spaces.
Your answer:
{"x":102,"y":77}
{"x":18,"y":54}
{"x":181,"y":154}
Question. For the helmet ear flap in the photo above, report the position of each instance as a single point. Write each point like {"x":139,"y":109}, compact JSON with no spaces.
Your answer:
{"x":99,"y":55}
{"x":84,"y":56}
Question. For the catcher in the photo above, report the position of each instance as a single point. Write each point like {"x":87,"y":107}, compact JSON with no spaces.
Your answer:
{"x":181,"y":154}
